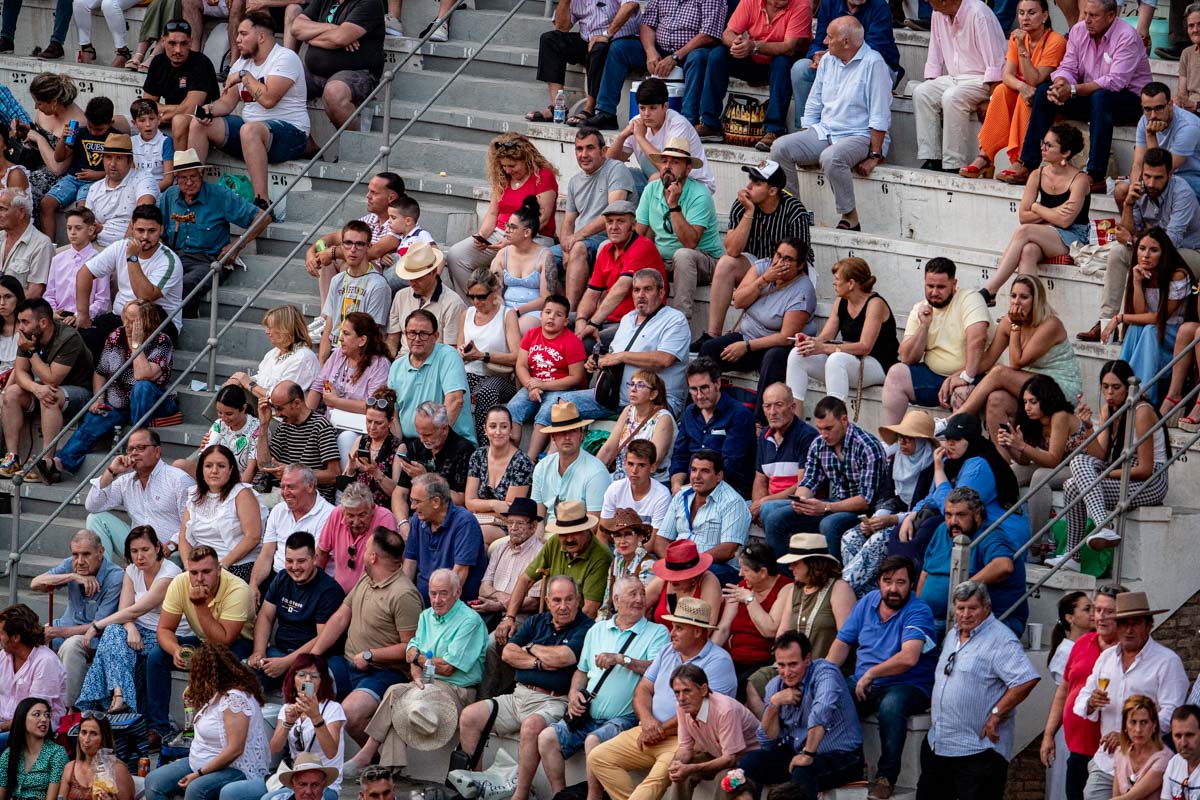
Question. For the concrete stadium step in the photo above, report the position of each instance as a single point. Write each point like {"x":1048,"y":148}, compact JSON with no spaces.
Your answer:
{"x":478,"y":92}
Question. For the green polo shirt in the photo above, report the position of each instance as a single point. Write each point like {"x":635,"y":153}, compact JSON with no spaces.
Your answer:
{"x":459,"y":637}
{"x":442,"y":372}
{"x":698,"y":209}
{"x":590,"y":570}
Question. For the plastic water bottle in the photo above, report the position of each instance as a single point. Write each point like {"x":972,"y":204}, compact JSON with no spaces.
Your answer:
{"x":560,"y":108}
{"x":427,"y":675}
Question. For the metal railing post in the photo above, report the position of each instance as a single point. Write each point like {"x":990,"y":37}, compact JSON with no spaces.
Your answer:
{"x":14,"y":553}
{"x":386,"y":147}
{"x":1135,"y":392}
{"x":214,"y":302}
{"x":960,"y":570}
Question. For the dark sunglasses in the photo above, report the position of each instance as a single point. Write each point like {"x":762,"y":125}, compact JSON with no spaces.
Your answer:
{"x":352,"y":551}
{"x":179,"y":26}
{"x":483,"y":296}
{"x":949,"y":664}
{"x":382,"y":403}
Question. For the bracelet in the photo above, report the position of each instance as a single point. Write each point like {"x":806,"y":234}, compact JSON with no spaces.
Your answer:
{"x":110,"y":472}
{"x":289,"y":725}
{"x":675,"y":209}
{"x":320,"y":724}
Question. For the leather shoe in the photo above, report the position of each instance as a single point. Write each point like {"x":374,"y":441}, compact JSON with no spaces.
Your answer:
{"x":153,"y":742}
{"x":602,"y":121}
{"x":1090,"y":335}
{"x":1099,"y":186}
{"x":934,"y":164}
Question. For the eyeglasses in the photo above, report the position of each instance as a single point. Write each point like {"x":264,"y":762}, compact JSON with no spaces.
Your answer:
{"x":137,"y":448}
{"x":346,"y":243}
{"x":179,"y":26}
{"x":381,"y":403}
{"x":949,"y":665}
{"x":786,"y":259}
{"x":1152,"y":109}
{"x":637,"y":385}
{"x":1046,"y":144}
{"x":419,"y":334}
{"x":374,"y":773}
{"x":483,"y":296}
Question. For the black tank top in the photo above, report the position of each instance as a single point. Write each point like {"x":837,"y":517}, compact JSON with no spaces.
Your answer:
{"x":1055,"y":200}
{"x":886,"y":348}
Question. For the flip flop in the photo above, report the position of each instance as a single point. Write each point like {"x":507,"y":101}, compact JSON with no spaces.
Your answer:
{"x":578,"y":118}
{"x":538,"y":116}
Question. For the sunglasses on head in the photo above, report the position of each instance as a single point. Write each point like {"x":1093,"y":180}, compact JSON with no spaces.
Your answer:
{"x":374,"y":773}
{"x":179,"y":26}
{"x":381,"y":403}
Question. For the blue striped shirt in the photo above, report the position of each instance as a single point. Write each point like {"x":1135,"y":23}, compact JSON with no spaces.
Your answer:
{"x":825,"y":700}
{"x":986,"y":666}
{"x":860,"y":471}
{"x":724,"y":517}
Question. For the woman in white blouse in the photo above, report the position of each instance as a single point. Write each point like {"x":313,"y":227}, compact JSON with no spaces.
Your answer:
{"x":222,"y":513}
{"x":128,"y":634}
{"x":291,"y":357}
{"x":230,"y":742}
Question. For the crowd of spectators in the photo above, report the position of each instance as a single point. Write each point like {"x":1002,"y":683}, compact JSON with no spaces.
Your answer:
{"x":513,"y":485}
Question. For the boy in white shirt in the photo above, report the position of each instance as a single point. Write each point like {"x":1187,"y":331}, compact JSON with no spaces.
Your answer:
{"x":403,"y":215}
{"x":153,"y":150}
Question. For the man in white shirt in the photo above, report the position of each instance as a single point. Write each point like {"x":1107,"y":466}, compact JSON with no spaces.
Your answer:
{"x":123,"y":189}
{"x":648,"y":133}
{"x":302,"y":509}
{"x":650,"y":499}
{"x":1183,"y":770}
{"x":1137,"y":665}
{"x":149,"y":491}
{"x":146,"y":270}
{"x":274,"y":124}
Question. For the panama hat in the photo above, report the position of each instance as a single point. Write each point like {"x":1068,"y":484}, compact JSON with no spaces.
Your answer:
{"x":677,"y":147}
{"x":570,"y":516}
{"x":187,"y":159}
{"x":564,"y":416}
{"x":691,"y":611}
{"x":418,"y":261}
{"x":806,"y":545}
{"x":307,"y":762}
{"x":1135,"y":604}
{"x":682,"y":561}
{"x":426,"y":719}
{"x":916,"y":424}
{"x":117,"y":144}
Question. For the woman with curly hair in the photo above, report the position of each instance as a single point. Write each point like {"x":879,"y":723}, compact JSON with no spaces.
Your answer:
{"x":354,"y":370}
{"x":516,"y":170}
{"x":230,"y":742}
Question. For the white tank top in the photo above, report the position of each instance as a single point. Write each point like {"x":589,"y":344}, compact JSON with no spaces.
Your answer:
{"x":488,"y":338}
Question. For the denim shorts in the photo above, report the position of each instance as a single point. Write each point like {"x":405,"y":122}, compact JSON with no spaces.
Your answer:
{"x":571,"y":741}
{"x":347,"y":679}
{"x":69,"y":189}
{"x":1073,"y":234}
{"x":926,"y":384}
{"x":592,"y":243}
{"x":287,"y":141}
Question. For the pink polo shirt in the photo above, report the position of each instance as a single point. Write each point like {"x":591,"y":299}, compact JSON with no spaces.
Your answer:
{"x":724,"y":727}
{"x":793,"y":22}
{"x":969,"y":44}
{"x":336,"y":540}
{"x":42,"y":675}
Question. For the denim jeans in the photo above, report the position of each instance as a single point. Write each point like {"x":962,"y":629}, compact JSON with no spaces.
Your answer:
{"x":722,"y":64}
{"x":780,"y":522}
{"x":159,"y":666}
{"x":163,"y":782}
{"x":627,"y":55}
{"x":94,"y":426}
{"x":63,"y":14}
{"x":1103,"y":109}
{"x":893,"y":705}
{"x":828,"y":770}
{"x":523,"y":409}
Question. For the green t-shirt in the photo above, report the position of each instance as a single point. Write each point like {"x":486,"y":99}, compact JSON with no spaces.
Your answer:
{"x":698,"y":209}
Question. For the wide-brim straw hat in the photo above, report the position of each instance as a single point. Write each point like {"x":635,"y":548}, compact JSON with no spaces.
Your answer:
{"x":570,"y":516}
{"x":677,"y":147}
{"x":187,"y":159}
{"x":807,"y":545}
{"x":564,"y":416}
{"x":426,"y":719}
{"x":418,"y":261}
{"x":308,"y":762}
{"x":117,"y":144}
{"x":916,"y":424}
{"x":691,"y":611}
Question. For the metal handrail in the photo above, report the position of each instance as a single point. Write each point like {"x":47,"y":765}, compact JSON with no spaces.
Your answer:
{"x":960,"y":556}
{"x":209,"y":349}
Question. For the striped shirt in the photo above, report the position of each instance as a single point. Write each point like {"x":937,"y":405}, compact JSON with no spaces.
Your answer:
{"x":312,"y":443}
{"x":860,"y":471}
{"x":724,"y":517}
{"x":825,"y":700}
{"x":984,"y":667}
{"x":781,"y":462}
{"x":790,"y":218}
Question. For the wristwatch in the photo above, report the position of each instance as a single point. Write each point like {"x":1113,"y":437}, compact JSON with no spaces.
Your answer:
{"x":876,"y":155}
{"x":133,"y":259}
{"x":626,"y":660}
{"x":242,"y":74}
{"x":996,"y":710}
{"x":367,"y":656}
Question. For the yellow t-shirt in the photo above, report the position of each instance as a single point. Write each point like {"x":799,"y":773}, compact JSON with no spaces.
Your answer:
{"x":946,"y":344}
{"x":233,"y":601}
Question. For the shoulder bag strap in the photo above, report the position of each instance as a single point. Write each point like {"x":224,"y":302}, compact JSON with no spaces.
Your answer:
{"x":607,"y":672}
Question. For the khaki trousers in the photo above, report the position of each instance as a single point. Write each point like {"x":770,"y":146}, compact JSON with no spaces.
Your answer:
{"x":612,"y":761}
{"x":393,"y":752}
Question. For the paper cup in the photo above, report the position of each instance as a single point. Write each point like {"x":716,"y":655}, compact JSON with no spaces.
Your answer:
{"x":1035,"y":635}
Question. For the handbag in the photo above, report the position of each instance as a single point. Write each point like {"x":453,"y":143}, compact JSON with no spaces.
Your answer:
{"x":577,"y":722}
{"x":607,"y":388}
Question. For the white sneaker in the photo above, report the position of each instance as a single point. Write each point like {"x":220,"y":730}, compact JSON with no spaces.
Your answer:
{"x":393,"y":26}
{"x":442,"y":34}
{"x":939,"y":426}
{"x":1103,"y":538}
{"x":316,"y":328}
{"x":1067,"y":564}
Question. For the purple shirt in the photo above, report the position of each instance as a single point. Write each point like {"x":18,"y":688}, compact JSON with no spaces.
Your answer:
{"x":340,"y":373}
{"x":60,"y":285}
{"x":968,"y":44}
{"x":1118,"y":61}
{"x":42,"y":675}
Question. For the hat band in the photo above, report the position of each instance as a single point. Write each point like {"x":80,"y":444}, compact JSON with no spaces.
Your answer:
{"x":808,"y":551}
{"x":680,"y":566}
{"x":556,"y":423}
{"x":566,"y":523}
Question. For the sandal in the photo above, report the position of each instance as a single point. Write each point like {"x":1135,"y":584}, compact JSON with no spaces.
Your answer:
{"x":121,"y":57}
{"x":134,"y":64}
{"x":578,"y":118}
{"x":538,"y":116}
{"x":87,"y":54}
{"x":974,"y":170}
{"x":1014,"y":177}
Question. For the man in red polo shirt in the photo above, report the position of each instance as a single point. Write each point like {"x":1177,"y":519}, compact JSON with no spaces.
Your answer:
{"x":1082,"y":736}
{"x":609,"y":294}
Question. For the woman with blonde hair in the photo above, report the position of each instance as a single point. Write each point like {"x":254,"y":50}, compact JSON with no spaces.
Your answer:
{"x":488,"y":340}
{"x":291,"y":357}
{"x":516,"y":170}
{"x":1035,"y":342}
{"x":55,"y":108}
{"x":868,"y":346}
{"x":645,"y":417}
{"x":1141,"y":757}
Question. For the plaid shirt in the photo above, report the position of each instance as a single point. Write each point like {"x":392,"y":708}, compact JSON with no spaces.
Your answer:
{"x":859,"y":472}
{"x":675,"y":22}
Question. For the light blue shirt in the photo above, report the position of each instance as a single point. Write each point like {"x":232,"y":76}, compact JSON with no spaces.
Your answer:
{"x":858,"y":100}
{"x":716,"y":663}
{"x":442,"y":372}
{"x":1176,"y":211}
{"x":616,"y":695}
{"x":724,"y":517}
{"x":667,"y":332}
{"x":586,"y":479}
{"x":459,"y":637}
{"x":825,"y":701}
{"x":986,"y":666}
{"x":82,"y":609}
{"x":1181,"y":138}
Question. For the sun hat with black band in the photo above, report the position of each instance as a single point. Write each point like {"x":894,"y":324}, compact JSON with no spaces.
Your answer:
{"x":691,"y":611}
{"x":682,"y":561}
{"x":187,"y":159}
{"x":570,"y":516}
{"x":807,"y":545}
{"x":564,"y":416}
{"x":677,"y":147}
{"x":117,"y":144}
